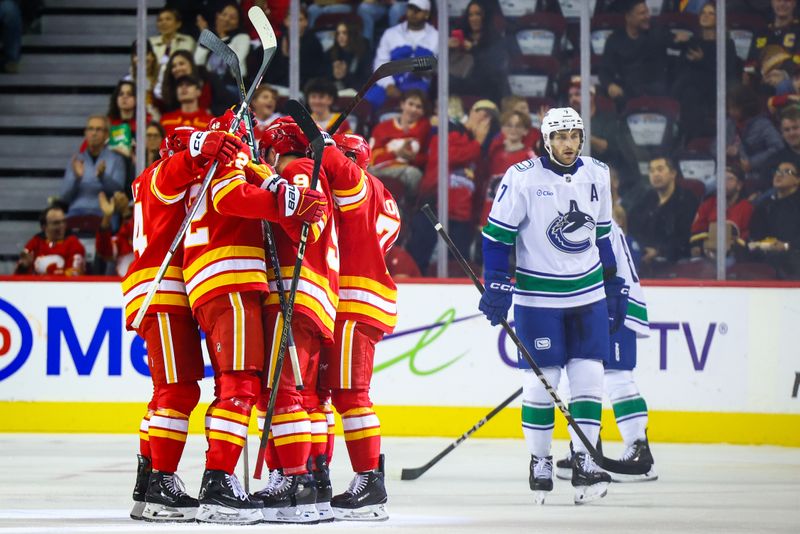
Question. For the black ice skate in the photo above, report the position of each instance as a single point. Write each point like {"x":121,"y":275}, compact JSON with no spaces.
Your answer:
{"x":564,"y":466}
{"x":223,"y":500}
{"x":166,"y":500}
{"x":143,"y":471}
{"x":639,"y":452}
{"x":292,"y":499}
{"x":324,"y":490}
{"x":590,"y":482}
{"x":365,"y":499}
{"x":541,"y":477}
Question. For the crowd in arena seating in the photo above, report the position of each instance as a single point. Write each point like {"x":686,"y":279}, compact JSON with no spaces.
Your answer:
{"x":653,"y":102}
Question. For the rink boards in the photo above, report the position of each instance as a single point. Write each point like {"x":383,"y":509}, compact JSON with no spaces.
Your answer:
{"x":722,"y":364}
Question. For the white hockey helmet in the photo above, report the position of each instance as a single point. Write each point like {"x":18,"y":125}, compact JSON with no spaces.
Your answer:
{"x":557,"y":119}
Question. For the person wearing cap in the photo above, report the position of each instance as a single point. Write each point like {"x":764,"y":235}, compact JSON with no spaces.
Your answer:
{"x":190,"y":113}
{"x":783,"y":31}
{"x":413,"y":38}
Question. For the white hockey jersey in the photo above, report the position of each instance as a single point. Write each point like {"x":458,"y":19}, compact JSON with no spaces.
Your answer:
{"x":636,"y":317}
{"x":555,"y":222}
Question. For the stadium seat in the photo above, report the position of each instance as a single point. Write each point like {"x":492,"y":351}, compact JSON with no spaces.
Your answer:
{"x":678,"y":23}
{"x":751,"y":271}
{"x":697,"y":187}
{"x":533,"y":76}
{"x":456,"y":8}
{"x":534,"y":103}
{"x":325,"y":26}
{"x":694,"y":269}
{"x":401,"y":264}
{"x":656,"y":7}
{"x":539,"y":34}
{"x":700,"y":144}
{"x":698,"y":166}
{"x":741,"y":29}
{"x":604,"y":25}
{"x":571,"y":9}
{"x":651,"y":120}
{"x":84,"y":225}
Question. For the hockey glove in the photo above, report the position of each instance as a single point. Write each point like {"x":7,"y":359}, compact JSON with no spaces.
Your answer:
{"x":328,"y":139}
{"x":220,"y":146}
{"x":617,"y":301}
{"x":301,"y":203}
{"x":496,"y":300}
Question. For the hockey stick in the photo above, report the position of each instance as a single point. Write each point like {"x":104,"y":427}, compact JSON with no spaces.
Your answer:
{"x":413,"y":473}
{"x":615,"y":466}
{"x":413,"y":64}
{"x":314,"y":135}
{"x":215,"y":44}
{"x":260,"y":21}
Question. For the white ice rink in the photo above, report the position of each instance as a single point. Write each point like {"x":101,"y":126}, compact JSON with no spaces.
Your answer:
{"x":82,"y":484}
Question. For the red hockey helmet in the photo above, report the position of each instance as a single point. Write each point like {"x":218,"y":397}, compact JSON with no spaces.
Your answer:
{"x":283,"y":136}
{"x":355,"y":147}
{"x":176,"y":141}
{"x":224,"y":121}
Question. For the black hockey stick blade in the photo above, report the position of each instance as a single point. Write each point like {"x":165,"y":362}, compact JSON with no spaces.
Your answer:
{"x":413,"y":473}
{"x":303,"y":119}
{"x":626,"y":468}
{"x":229,"y":57}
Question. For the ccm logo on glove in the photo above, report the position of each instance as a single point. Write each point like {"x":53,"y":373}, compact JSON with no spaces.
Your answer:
{"x":500,"y":286}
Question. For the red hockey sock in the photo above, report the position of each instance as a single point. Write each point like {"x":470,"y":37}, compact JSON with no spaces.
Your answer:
{"x":319,"y":434}
{"x":362,"y":434}
{"x":144,"y":435}
{"x":227,"y":421}
{"x":168,"y":430}
{"x":271,"y":455}
{"x":331,"y":422}
{"x":291,"y":431}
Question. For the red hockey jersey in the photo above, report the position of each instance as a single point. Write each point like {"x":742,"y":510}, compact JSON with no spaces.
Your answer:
{"x":318,"y":287}
{"x":65,"y":257}
{"x":117,"y":247}
{"x":388,"y":137}
{"x":369,"y":223}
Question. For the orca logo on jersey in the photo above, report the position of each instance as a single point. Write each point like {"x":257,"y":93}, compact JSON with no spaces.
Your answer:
{"x":571,"y":222}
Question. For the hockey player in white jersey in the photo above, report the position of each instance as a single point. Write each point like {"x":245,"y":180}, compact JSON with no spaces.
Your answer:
{"x":630,"y":408}
{"x":556,"y":211}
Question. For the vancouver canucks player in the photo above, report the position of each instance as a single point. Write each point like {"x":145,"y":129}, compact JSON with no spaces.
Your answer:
{"x":556,"y":210}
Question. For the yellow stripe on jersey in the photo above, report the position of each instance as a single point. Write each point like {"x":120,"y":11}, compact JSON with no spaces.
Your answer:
{"x":353,"y":190}
{"x":310,"y":303}
{"x":289,"y":417}
{"x":160,"y":299}
{"x":349,"y":207}
{"x":236,"y":278}
{"x":217,"y":198}
{"x":308,"y":274}
{"x":297,"y":438}
{"x":143,"y":275}
{"x":349,"y":306}
{"x":238,"y":331}
{"x":166,"y":348}
{"x":347,"y":353}
{"x":218,"y":253}
{"x":233,"y":416}
{"x":361,"y":282}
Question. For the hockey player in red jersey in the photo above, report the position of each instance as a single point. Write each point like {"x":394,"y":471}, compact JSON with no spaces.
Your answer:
{"x":369,"y":222}
{"x":291,"y":496}
{"x":173,"y":342}
{"x":225,"y":274}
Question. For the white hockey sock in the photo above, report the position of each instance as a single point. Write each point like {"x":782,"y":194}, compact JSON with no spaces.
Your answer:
{"x":630,"y":409}
{"x":586,"y":386}
{"x":538,"y":410}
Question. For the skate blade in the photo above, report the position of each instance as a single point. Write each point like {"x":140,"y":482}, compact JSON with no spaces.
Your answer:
{"x":539,"y":497}
{"x":305,"y":513}
{"x":136,"y":511}
{"x":586,"y":494}
{"x":375,"y":512}
{"x":325,"y":512}
{"x":564,"y":473}
{"x":650,"y":476}
{"x":159,"y":513}
{"x":215,"y":513}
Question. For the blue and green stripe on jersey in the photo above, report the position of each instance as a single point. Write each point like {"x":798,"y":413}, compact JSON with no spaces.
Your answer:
{"x":602,"y":230}
{"x":558,"y":285}
{"x":637,"y":312}
{"x":500,"y":232}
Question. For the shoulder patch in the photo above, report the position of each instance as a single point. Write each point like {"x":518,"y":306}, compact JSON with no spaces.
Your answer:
{"x":525,"y":165}
{"x":599,"y":163}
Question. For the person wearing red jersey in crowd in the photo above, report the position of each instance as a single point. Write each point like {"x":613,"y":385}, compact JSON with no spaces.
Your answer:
{"x":399,"y":144}
{"x":52,"y":252}
{"x":118,"y":247}
{"x":291,"y":495}
{"x":173,"y":342}
{"x":369,"y":223}
{"x":506,"y":150}
{"x":320,"y":94}
{"x":224,"y":270}
{"x":190,"y":112}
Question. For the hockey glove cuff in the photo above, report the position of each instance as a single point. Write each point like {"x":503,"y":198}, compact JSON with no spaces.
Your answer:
{"x":617,"y":301}
{"x":220,"y":146}
{"x":496,"y":300}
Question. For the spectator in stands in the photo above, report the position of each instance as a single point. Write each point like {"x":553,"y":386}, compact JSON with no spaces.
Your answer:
{"x":775,"y":226}
{"x":264,"y":106}
{"x":320,"y":94}
{"x":752,"y":138}
{"x":53,"y":251}
{"x":11,"y":26}
{"x":151,"y":72}
{"x":310,"y":53}
{"x":122,"y":117}
{"x":478,"y":56}
{"x":662,"y":220}
{"x":167,"y":41}
{"x":634,"y":58}
{"x":790,"y":131}
{"x":787,"y":94}
{"x":739,"y":210}
{"x":399,"y":145}
{"x":227,"y":26}
{"x":519,"y":103}
{"x":98,"y":168}
{"x":153,"y":136}
{"x":372,"y":11}
{"x":114,"y":248}
{"x":325,"y":7}
{"x":464,"y":152}
{"x":783,"y":31}
{"x":350,"y":57}
{"x":413,"y":38}
{"x":695,"y":79}
{"x":181,"y":63}
{"x":190,"y":112}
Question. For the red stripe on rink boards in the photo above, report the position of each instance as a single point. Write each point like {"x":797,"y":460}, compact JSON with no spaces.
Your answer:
{"x":677,"y":282}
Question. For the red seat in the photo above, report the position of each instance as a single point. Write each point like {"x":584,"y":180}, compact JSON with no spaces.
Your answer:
{"x":651,"y":120}
{"x":84,"y":224}
{"x":751,"y":271}
{"x":539,"y":34}
{"x":698,"y":166}
{"x":401,"y":264}
{"x":697,"y":187}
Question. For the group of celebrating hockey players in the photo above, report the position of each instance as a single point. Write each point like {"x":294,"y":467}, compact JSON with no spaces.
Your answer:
{"x":219,"y":282}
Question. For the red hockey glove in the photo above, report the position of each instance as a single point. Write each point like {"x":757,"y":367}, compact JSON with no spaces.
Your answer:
{"x":301,"y":203}
{"x":220,"y":146}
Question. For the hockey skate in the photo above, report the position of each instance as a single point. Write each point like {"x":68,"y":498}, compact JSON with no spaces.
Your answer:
{"x":166,"y":500}
{"x":143,"y":471}
{"x":590,"y":482}
{"x":291,"y":499}
{"x":541,"y":477}
{"x":564,"y":466}
{"x":365,"y":499}
{"x":324,"y":490}
{"x":639,"y":452}
{"x":223,"y":500}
